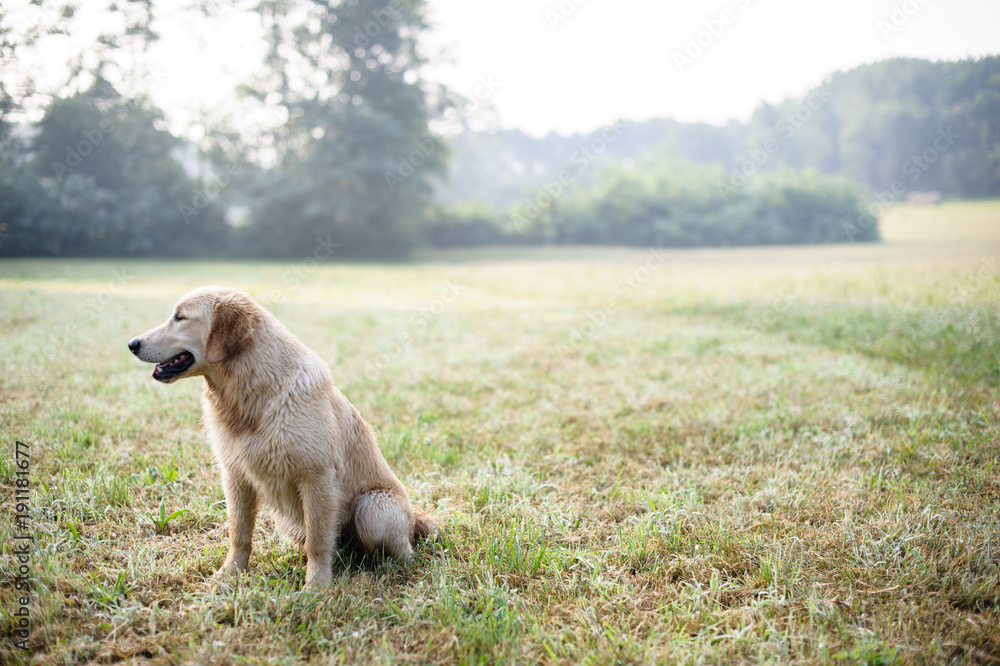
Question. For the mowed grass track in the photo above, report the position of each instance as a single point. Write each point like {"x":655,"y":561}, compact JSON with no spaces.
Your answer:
{"x":748,"y":455}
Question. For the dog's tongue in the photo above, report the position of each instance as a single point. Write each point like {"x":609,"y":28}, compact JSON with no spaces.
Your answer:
{"x":177,"y":360}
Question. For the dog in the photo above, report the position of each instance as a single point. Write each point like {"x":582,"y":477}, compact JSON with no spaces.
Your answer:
{"x":282,"y":434}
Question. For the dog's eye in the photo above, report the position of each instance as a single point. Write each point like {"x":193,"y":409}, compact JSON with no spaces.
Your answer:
{"x":178,"y":317}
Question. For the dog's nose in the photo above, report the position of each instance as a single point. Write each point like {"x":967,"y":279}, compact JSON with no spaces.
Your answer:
{"x":134,"y":344}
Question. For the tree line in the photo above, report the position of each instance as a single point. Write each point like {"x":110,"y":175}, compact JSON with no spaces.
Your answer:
{"x":917,"y":124}
{"x":664,"y":201}
{"x":343,"y":160}
{"x":347,"y":163}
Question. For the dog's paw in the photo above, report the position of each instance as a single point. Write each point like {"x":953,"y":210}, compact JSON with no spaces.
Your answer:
{"x":436,"y":533}
{"x":226,"y":575}
{"x":221,"y":581}
{"x":317,"y":580}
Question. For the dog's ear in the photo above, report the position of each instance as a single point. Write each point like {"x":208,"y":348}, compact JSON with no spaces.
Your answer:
{"x":232,"y":327}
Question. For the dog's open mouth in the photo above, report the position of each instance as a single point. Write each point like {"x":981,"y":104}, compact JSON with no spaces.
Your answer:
{"x":169,"y":369}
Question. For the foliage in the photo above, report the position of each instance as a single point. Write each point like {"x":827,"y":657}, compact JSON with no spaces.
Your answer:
{"x":355,"y":155}
{"x":499,"y":166}
{"x":100,"y":177}
{"x":667,"y":203}
{"x":924,"y":125}
{"x":162,"y":519}
{"x":465,"y":224}
{"x":919,"y":124}
{"x":662,"y":201}
{"x":346,"y":165}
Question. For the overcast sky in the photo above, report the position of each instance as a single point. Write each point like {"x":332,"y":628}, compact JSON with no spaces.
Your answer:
{"x":574,"y":65}
{"x":571,"y":66}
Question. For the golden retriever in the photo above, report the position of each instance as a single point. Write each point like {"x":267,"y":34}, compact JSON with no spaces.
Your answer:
{"x":282,"y":434}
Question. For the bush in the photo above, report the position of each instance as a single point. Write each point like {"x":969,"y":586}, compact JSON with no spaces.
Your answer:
{"x":679,"y":205}
{"x":466,"y":224}
{"x":667,"y":203}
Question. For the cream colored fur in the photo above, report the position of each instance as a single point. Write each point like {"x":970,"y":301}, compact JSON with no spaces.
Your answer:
{"x":283,"y":435}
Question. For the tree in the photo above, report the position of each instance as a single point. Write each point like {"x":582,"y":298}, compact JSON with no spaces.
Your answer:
{"x":104,"y":181}
{"x":354,"y":156}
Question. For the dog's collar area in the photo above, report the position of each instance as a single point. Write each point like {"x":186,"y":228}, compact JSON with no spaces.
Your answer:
{"x":170,"y":369}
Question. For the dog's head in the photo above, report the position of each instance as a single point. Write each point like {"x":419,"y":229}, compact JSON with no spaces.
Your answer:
{"x":208,"y":326}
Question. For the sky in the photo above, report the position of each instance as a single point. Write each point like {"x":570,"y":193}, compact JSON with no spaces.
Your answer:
{"x":575,"y":65}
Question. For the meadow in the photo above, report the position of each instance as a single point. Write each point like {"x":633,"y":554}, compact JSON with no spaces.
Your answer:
{"x":783,"y":454}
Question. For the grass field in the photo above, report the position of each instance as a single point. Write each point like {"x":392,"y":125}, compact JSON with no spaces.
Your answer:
{"x":747,"y":455}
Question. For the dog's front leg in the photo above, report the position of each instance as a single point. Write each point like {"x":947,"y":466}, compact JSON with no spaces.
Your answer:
{"x":241,"y":510}
{"x":322,"y":508}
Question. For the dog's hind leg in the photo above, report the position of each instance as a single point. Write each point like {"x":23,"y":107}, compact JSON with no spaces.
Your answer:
{"x":384,"y":522}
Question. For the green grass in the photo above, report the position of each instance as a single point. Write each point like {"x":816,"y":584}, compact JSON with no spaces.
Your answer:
{"x":755,"y":455}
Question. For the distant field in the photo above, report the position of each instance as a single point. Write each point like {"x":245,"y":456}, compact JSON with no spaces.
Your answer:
{"x":740,"y":455}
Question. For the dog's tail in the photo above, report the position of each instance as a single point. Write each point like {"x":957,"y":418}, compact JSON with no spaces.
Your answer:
{"x":425,"y":526}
